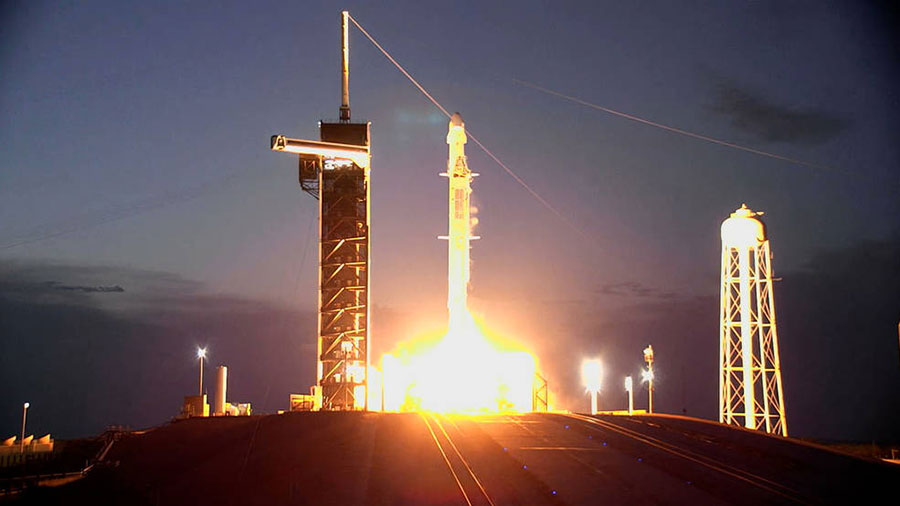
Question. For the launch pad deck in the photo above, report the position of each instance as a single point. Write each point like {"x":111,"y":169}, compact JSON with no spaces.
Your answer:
{"x":411,"y":458}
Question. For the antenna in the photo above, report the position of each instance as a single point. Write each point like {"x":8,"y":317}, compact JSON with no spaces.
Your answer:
{"x":345,"y":69}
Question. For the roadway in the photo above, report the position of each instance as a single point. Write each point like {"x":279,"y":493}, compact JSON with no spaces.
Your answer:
{"x":411,"y":458}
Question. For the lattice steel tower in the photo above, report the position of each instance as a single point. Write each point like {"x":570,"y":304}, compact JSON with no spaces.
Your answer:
{"x":750,"y":392}
{"x":335,"y":170}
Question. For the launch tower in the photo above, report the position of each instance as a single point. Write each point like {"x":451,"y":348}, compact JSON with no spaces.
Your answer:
{"x":335,"y":170}
{"x":750,"y":392}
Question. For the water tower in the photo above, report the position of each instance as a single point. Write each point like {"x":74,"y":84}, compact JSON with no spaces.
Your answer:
{"x":750,"y":392}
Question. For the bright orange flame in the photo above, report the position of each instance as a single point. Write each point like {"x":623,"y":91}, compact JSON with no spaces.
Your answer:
{"x":465,"y":372}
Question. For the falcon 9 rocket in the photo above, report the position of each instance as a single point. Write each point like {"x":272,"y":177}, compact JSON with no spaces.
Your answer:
{"x":460,"y":233}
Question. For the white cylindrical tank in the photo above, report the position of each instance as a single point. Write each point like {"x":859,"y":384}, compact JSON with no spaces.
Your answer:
{"x":743,"y":229}
{"x":221,"y":385}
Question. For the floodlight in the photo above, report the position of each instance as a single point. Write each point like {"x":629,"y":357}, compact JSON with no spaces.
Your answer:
{"x":592,"y":375}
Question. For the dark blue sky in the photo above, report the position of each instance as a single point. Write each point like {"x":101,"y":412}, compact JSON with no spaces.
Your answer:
{"x":134,"y":152}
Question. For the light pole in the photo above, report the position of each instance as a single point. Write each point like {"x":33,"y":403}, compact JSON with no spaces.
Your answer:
{"x":629,"y":387}
{"x":201,"y":354}
{"x":24,"y":413}
{"x":647,"y":375}
{"x":592,"y":376}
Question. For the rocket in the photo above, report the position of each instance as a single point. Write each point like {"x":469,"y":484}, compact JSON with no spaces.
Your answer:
{"x":460,"y":233}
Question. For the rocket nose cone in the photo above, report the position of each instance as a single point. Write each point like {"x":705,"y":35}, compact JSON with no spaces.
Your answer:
{"x":456,"y":119}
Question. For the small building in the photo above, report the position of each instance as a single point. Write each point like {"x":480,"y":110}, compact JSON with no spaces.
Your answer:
{"x":194,"y":406}
{"x":310,"y":402}
{"x":236,"y":409}
{"x":14,"y":445}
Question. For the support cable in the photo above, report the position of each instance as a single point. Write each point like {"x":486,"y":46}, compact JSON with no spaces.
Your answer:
{"x":399,"y":67}
{"x":488,"y":152}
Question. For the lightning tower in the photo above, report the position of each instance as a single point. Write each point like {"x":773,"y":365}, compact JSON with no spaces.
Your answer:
{"x":335,"y":170}
{"x":460,"y":226}
{"x":750,"y":392}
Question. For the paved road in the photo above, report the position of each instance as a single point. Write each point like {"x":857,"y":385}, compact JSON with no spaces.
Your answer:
{"x":373,"y":458}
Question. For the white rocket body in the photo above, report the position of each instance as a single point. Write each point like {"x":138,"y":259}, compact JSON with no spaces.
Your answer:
{"x":460,"y":234}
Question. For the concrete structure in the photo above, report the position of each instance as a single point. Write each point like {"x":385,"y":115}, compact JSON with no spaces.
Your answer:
{"x":221,"y":388}
{"x":335,"y":170}
{"x":750,"y":391}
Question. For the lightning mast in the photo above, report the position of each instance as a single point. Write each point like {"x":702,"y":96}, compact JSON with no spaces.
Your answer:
{"x":460,"y":227}
{"x":335,"y":170}
{"x":750,"y":392}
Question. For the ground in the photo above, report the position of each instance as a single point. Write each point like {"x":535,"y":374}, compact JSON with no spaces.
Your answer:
{"x":411,"y":458}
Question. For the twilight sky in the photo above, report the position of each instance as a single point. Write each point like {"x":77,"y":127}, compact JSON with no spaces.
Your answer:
{"x":134,"y":154}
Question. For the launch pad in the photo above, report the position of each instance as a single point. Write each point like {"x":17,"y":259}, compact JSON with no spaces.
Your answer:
{"x":419,"y":458}
{"x":335,"y":170}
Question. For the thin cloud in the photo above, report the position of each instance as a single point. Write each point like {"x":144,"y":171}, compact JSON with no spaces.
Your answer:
{"x":55,"y":285}
{"x":633,"y":289}
{"x":770,"y":122}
